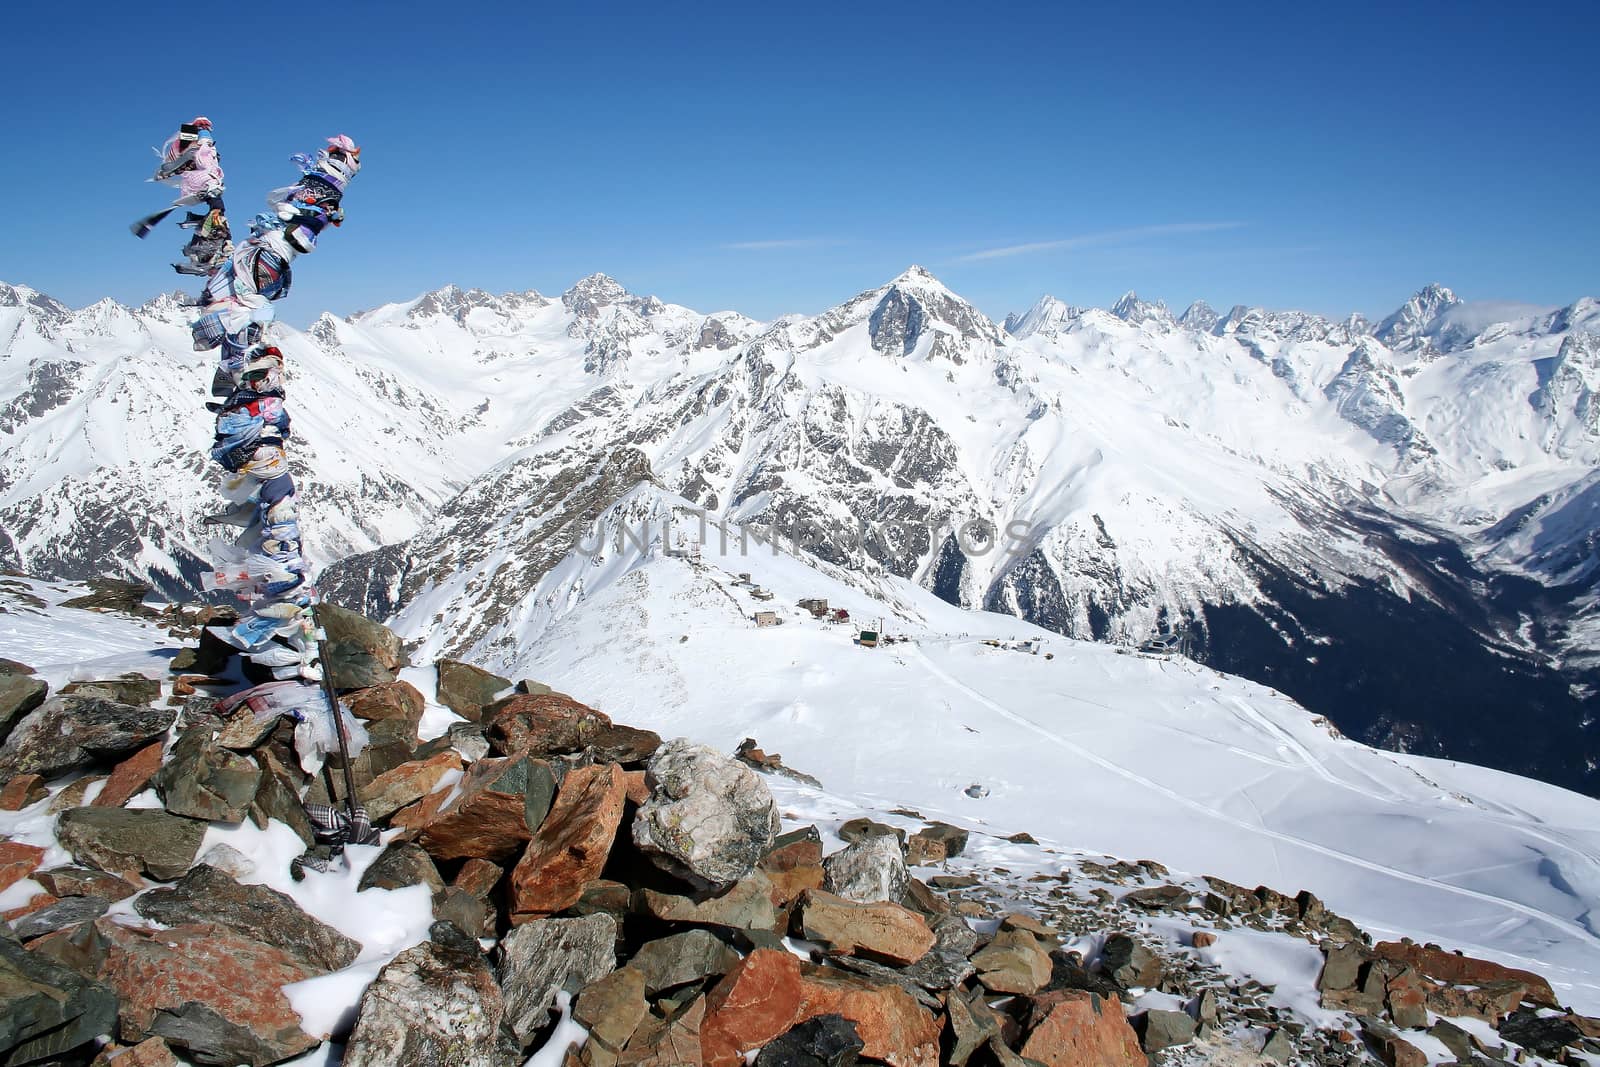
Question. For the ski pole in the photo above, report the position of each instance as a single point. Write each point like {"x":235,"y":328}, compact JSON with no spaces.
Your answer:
{"x":338,"y":719}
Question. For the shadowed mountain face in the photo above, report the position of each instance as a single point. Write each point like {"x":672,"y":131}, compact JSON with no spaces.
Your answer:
{"x":1390,"y":523}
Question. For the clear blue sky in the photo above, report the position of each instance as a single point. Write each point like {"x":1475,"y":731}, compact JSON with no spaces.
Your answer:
{"x":1330,"y":157}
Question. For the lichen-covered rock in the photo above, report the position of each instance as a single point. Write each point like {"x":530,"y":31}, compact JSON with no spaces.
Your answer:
{"x":434,"y":1005}
{"x":746,"y":905}
{"x":1129,"y":963}
{"x":869,"y":870}
{"x":204,"y":780}
{"x":551,"y":724}
{"x":879,"y":930}
{"x":360,"y":652}
{"x":207,"y":895}
{"x":1013,"y":962}
{"x":401,"y":864}
{"x":212,"y":992}
{"x":131,"y":841}
{"x":709,"y":818}
{"x":66,"y":732}
{"x":946,"y":965}
{"x":611,"y":1009}
{"x":132,"y":688}
{"x":680,"y":959}
{"x":540,"y":958}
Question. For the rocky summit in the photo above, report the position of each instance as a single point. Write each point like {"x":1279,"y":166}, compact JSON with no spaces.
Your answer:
{"x":551,"y":882}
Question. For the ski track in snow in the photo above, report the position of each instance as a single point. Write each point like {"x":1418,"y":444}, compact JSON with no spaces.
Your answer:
{"x":1571,"y":929}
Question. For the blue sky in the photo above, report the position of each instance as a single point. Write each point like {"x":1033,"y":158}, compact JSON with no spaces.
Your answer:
{"x":1334,"y":158}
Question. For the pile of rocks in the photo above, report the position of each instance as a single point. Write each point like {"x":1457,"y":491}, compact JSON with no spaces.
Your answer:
{"x":617,"y":898}
{"x":643,"y":888}
{"x":1396,"y":986}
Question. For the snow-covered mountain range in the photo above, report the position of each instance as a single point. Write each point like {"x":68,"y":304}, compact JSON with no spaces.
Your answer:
{"x":1392,"y":522}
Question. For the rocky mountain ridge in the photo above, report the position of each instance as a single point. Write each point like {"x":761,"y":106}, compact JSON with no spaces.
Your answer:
{"x":1252,"y":482}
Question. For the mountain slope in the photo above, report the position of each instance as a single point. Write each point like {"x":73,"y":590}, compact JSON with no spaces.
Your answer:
{"x":1294,"y":492}
{"x":1070,"y":741}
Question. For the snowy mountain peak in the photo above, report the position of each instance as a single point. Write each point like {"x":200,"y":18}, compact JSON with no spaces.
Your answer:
{"x":47,"y":308}
{"x":917,"y":307}
{"x":173,"y":306}
{"x":1131,"y":309}
{"x":917,"y":276}
{"x":1411,"y":325}
{"x":454,"y":302}
{"x":1582,"y":314}
{"x":1199,"y":316}
{"x":1048,"y":318}
{"x":589,"y":295}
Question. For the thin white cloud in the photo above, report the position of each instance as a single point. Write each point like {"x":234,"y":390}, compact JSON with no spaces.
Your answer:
{"x":772,"y":246}
{"x":1137,"y":233}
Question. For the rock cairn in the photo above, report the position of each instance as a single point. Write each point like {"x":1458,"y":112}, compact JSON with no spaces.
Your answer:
{"x":641,"y":894}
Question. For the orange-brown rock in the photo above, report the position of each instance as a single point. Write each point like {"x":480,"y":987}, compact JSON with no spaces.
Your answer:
{"x":1083,"y":1030}
{"x":1464,"y":970}
{"x":1491,"y":1002}
{"x":17,"y":861}
{"x":745,"y":906}
{"x":491,"y":815}
{"x":671,"y":1042}
{"x":637,"y":789}
{"x":550,"y":724}
{"x":407,"y":783}
{"x":572,"y":844}
{"x":130,"y":777}
{"x":1406,"y":993}
{"x":205,"y":988}
{"x":794,"y":865}
{"x":1203,"y":939}
{"x":21,"y":791}
{"x":1394,"y":1050}
{"x":893,"y":1027}
{"x":789,"y":886}
{"x":478,"y":877}
{"x":389,"y":700}
{"x":797,"y":848}
{"x":883,"y":930}
{"x":922,"y":850}
{"x":751,"y":1005}
{"x":152,"y":1052}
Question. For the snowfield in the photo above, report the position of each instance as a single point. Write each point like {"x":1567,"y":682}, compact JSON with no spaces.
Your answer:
{"x":1082,"y":745}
